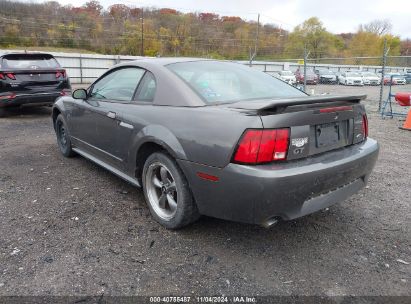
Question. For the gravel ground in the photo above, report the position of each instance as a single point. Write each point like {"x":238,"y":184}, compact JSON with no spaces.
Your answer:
{"x":68,"y":227}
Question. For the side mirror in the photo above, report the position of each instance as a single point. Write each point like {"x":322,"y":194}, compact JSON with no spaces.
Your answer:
{"x":80,"y":94}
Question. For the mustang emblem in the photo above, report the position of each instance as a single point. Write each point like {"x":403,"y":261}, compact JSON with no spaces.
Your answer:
{"x":299,"y":142}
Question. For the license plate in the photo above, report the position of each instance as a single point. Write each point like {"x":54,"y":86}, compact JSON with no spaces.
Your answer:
{"x":327,"y":134}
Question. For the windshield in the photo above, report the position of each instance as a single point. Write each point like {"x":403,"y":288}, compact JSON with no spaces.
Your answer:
{"x":370,"y":74}
{"x":353,"y":75}
{"x":225,"y":82}
{"x":287,"y":73}
{"x":29,"y":62}
{"x":326,"y":72}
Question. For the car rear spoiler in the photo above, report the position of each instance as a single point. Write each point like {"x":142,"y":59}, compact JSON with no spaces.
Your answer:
{"x":275,"y":105}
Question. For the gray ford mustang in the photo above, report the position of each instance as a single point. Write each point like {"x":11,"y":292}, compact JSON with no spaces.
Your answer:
{"x":215,"y":138}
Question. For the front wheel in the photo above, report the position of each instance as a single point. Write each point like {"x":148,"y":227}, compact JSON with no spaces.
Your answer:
{"x":63,"y":138}
{"x":167,"y":192}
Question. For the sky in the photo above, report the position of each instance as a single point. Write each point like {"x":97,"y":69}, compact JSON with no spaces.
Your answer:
{"x":338,"y":16}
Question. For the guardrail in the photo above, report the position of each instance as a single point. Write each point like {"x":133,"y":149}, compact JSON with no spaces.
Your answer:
{"x":85,"y":68}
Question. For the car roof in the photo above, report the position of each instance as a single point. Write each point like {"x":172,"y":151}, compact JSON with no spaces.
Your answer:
{"x":168,"y":60}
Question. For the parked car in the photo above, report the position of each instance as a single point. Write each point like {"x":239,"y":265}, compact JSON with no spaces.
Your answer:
{"x":30,"y":79}
{"x":219,"y":139}
{"x":287,"y":76}
{"x":370,"y":78}
{"x":326,"y":76}
{"x":337,"y":75}
{"x":407,"y":77}
{"x":312,"y":78}
{"x":394,"y":79}
{"x":351,"y":78}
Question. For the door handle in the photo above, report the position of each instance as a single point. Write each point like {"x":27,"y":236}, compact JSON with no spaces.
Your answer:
{"x":126,"y":125}
{"x":111,"y":115}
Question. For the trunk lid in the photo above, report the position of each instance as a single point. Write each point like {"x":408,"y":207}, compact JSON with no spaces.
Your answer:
{"x":317,"y":123}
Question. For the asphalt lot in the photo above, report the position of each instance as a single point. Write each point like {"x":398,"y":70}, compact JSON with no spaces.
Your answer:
{"x":68,"y":227}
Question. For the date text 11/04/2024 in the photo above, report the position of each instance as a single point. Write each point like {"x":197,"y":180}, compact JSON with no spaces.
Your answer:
{"x":203,"y":299}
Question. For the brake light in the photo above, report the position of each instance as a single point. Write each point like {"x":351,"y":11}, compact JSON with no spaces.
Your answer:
{"x":11,"y":96}
{"x":11,"y":76}
{"x":61,"y":73}
{"x":365,"y":126}
{"x":262,"y":146}
{"x":336,"y":109}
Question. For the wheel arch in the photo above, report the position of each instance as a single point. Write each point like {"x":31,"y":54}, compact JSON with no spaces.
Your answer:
{"x":152,"y":139}
{"x":56,"y":112}
{"x":58,"y":108}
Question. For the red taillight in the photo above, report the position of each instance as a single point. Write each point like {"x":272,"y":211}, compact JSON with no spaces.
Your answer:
{"x":281,"y":144}
{"x":248,"y":147}
{"x":365,"y":126}
{"x":61,"y":73}
{"x":11,"y":76}
{"x":262,"y":146}
{"x":11,"y":96}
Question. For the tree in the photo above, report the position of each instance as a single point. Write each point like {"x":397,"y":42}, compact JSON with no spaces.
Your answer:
{"x":379,"y":27}
{"x":313,"y":35}
{"x":93,"y":7}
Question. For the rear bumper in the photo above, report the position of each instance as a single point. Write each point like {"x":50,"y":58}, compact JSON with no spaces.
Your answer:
{"x":26,"y":99}
{"x":256,"y":194}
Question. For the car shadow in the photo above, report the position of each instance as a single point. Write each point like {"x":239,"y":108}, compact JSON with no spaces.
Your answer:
{"x":28,"y":112}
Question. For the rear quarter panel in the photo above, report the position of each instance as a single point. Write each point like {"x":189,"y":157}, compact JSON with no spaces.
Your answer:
{"x":205,"y":135}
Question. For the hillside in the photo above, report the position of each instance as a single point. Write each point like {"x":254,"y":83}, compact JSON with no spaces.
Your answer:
{"x":127,"y":30}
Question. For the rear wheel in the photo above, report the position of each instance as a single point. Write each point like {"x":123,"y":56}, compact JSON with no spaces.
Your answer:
{"x":167,"y":192}
{"x":63,"y":138}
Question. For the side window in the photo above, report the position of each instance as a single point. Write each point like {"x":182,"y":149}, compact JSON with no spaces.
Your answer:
{"x":118,"y":85}
{"x":147,"y":88}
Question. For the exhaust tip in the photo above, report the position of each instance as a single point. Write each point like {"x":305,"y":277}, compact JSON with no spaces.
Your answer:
{"x":271,"y":222}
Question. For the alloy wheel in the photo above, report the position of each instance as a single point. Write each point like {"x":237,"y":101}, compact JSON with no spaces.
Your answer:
{"x":161,"y":190}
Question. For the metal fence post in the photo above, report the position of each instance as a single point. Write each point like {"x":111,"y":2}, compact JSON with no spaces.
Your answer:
{"x":81,"y":69}
{"x":384,"y":62}
{"x":305,"y":68}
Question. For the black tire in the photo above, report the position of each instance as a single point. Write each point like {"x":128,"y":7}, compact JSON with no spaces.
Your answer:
{"x":63,"y":138}
{"x":186,"y":211}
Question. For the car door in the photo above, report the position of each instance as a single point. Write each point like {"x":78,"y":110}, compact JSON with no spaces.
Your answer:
{"x":108,"y":100}
{"x":133,"y":119}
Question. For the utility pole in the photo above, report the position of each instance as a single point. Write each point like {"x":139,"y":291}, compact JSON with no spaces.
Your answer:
{"x":142,"y":31}
{"x":252,"y":56}
{"x":384,"y":63}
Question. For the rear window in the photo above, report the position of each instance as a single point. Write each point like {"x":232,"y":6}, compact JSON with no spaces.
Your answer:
{"x":326,"y":72}
{"x":225,"y":82}
{"x":29,"y":62}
